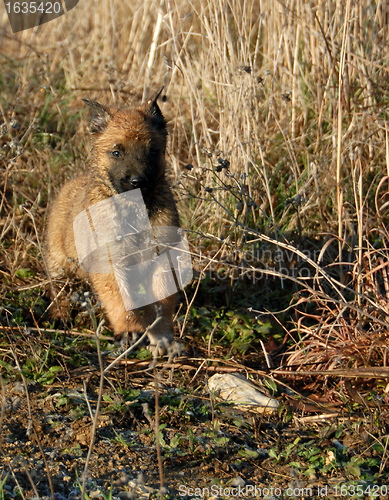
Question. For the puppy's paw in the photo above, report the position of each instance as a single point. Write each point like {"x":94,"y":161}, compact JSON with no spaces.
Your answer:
{"x":127,"y":339}
{"x":159,"y":343}
{"x":175,"y":350}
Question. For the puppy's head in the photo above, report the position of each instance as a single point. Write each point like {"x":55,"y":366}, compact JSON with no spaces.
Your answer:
{"x":129,"y":148}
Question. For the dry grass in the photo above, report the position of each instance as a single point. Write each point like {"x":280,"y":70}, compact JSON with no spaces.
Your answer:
{"x":291,"y":97}
{"x":279,"y":152}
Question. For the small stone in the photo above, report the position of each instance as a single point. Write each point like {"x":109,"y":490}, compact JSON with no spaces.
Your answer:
{"x":18,"y":389}
{"x":125,"y":495}
{"x":238,"y":481}
{"x":95,"y":494}
{"x":122,"y":480}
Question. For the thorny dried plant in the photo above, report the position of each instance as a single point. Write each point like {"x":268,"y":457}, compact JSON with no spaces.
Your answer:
{"x":279,"y":151}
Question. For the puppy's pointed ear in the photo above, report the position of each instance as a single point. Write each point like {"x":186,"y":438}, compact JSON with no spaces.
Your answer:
{"x":100,"y":117}
{"x":152,"y":110}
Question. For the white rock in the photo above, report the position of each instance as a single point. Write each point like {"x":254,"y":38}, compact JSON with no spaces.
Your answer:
{"x":235,"y":388}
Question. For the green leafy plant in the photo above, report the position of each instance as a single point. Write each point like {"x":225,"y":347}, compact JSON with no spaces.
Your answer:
{"x":284,"y":454}
{"x":2,"y":484}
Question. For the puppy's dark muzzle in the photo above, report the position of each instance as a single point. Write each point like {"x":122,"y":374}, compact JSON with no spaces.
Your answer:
{"x":139,"y":182}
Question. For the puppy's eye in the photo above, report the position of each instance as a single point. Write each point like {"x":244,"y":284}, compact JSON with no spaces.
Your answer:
{"x":153,"y":152}
{"x":115,"y":153}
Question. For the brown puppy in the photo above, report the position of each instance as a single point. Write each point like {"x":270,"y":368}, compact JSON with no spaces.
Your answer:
{"x":128,"y":153}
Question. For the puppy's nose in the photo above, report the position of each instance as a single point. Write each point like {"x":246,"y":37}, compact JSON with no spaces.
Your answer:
{"x":138,"y":181}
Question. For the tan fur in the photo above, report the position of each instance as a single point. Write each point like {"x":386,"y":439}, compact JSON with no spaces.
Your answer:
{"x":138,"y":135}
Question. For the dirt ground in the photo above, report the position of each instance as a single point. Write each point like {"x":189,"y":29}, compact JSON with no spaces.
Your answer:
{"x":207,"y":448}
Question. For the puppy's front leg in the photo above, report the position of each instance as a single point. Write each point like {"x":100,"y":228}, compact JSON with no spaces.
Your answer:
{"x":161,"y":335}
{"x":123,"y":322}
